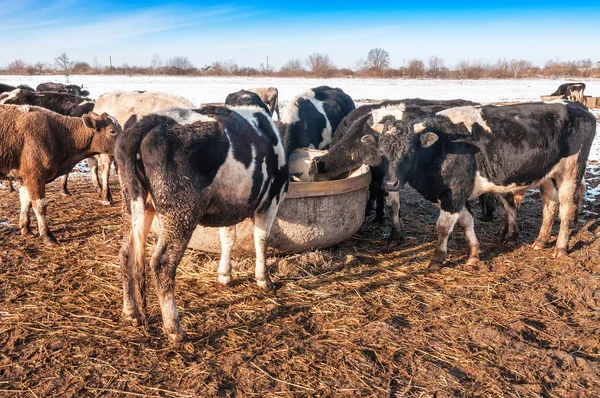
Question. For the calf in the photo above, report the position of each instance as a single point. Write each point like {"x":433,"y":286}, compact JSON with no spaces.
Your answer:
{"x":37,"y":146}
{"x":310,"y":119}
{"x":571,"y":91}
{"x":464,"y":152}
{"x":63,"y":88}
{"x":62,"y":103}
{"x":346,"y":154}
{"x":126,"y":107}
{"x":246,"y":98}
{"x":212,"y":166}
{"x":270,"y":97}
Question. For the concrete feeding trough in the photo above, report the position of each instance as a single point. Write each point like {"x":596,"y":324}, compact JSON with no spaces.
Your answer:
{"x":313,"y":215}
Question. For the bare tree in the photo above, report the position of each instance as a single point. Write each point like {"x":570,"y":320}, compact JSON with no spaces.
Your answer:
{"x":516,"y":66}
{"x":64,"y":64}
{"x":320,"y":65}
{"x":17,"y":67}
{"x":470,"y":69}
{"x":39,"y":67}
{"x":96,"y":64}
{"x":436,"y":66}
{"x":378,"y":59}
{"x":156,"y":63}
{"x":293,"y":66}
{"x":179,"y":66}
{"x":415,"y":68}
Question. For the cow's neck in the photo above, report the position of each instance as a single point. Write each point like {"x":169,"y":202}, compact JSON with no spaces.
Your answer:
{"x":76,"y":142}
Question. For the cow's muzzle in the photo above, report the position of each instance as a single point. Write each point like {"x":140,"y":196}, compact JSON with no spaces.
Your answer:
{"x":392,"y":185}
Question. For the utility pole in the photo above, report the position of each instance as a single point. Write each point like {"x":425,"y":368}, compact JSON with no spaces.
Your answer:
{"x":110,"y":61}
{"x":403,"y":66}
{"x":267,"y":64}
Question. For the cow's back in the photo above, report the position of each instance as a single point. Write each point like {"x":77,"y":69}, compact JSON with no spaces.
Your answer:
{"x":123,"y":104}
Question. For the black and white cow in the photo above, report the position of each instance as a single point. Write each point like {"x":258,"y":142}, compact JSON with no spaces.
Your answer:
{"x":5,"y":87}
{"x":310,"y":119}
{"x":571,"y":91}
{"x":62,"y":103}
{"x":212,"y":166}
{"x":246,"y":98}
{"x":62,"y":88}
{"x":463,"y":152}
{"x":345,"y":153}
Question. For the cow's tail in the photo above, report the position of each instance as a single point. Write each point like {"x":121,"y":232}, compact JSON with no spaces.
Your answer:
{"x":138,"y":210}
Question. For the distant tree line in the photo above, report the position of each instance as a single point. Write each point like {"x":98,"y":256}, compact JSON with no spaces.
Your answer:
{"x":375,"y":64}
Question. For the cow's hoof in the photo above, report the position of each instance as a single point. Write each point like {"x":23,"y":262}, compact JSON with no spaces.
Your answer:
{"x":130,"y":320}
{"x":50,"y":241}
{"x":266,"y":284}
{"x":106,"y":202}
{"x":177,"y":337}
{"x":224,"y":280}
{"x":65,"y":193}
{"x":512,"y":241}
{"x":560,"y":254}
{"x":538,"y":245}
{"x":26,"y":232}
{"x":472,"y":261}
{"x":435,"y":265}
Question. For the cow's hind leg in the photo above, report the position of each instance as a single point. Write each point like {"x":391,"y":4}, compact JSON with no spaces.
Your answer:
{"x":93,"y":165}
{"x":227,"y":235}
{"x":175,"y":233}
{"x":137,"y":221}
{"x":465,"y":220}
{"x":509,"y":231}
{"x":24,"y":217}
{"x":568,"y":198}
{"x":445,"y":225}
{"x":11,"y":187}
{"x":37,"y":194}
{"x":263,"y":221}
{"x":549,"y":208}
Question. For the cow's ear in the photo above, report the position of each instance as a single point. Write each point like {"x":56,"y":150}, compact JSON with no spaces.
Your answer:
{"x":428,"y":139}
{"x":369,"y":140}
{"x":89,"y":121}
{"x":420,"y":127}
{"x":94,"y":115}
{"x":378,"y":127}
{"x":104,"y":115}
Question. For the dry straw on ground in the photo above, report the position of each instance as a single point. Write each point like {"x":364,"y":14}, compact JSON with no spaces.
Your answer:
{"x":354,"y":320}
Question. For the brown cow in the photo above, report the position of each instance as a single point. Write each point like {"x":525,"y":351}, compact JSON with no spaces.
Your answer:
{"x":270,"y":96}
{"x":37,"y":146}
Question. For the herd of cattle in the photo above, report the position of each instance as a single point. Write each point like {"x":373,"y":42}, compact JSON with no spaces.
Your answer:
{"x":219,"y":164}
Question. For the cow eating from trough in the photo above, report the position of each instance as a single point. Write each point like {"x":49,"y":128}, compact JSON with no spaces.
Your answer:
{"x":310,"y":119}
{"x":270,"y":97}
{"x":346,"y":154}
{"x":570,"y":92}
{"x":464,"y":152}
{"x":212,"y":166}
{"x":37,"y":146}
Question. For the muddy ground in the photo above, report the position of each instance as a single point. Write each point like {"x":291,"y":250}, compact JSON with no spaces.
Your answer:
{"x":353,"y":320}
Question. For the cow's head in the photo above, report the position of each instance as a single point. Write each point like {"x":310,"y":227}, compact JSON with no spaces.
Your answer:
{"x":393,"y":145}
{"x":106,"y":129}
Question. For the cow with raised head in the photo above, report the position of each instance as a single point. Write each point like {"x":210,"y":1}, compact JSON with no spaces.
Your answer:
{"x":270,"y":97}
{"x":212,"y":166}
{"x":246,"y":98}
{"x":37,"y":146}
{"x":464,"y":152}
{"x":310,"y":119}
{"x":571,"y":91}
{"x":345,"y":153}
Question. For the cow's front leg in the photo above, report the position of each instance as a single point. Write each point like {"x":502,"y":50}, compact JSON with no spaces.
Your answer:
{"x":63,"y":184}
{"x":37,"y":194}
{"x":11,"y":187}
{"x":227,"y":235}
{"x":568,"y":197}
{"x":445,"y":225}
{"x":393,"y":203}
{"x":106,"y":195}
{"x":465,"y":220}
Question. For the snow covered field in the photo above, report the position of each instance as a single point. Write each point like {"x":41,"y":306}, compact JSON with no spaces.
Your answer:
{"x":214,"y":89}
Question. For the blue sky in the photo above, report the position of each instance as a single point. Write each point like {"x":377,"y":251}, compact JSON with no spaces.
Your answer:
{"x":133,"y":31}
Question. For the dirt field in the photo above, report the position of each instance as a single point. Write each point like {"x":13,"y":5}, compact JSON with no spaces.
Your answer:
{"x":354,"y":320}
